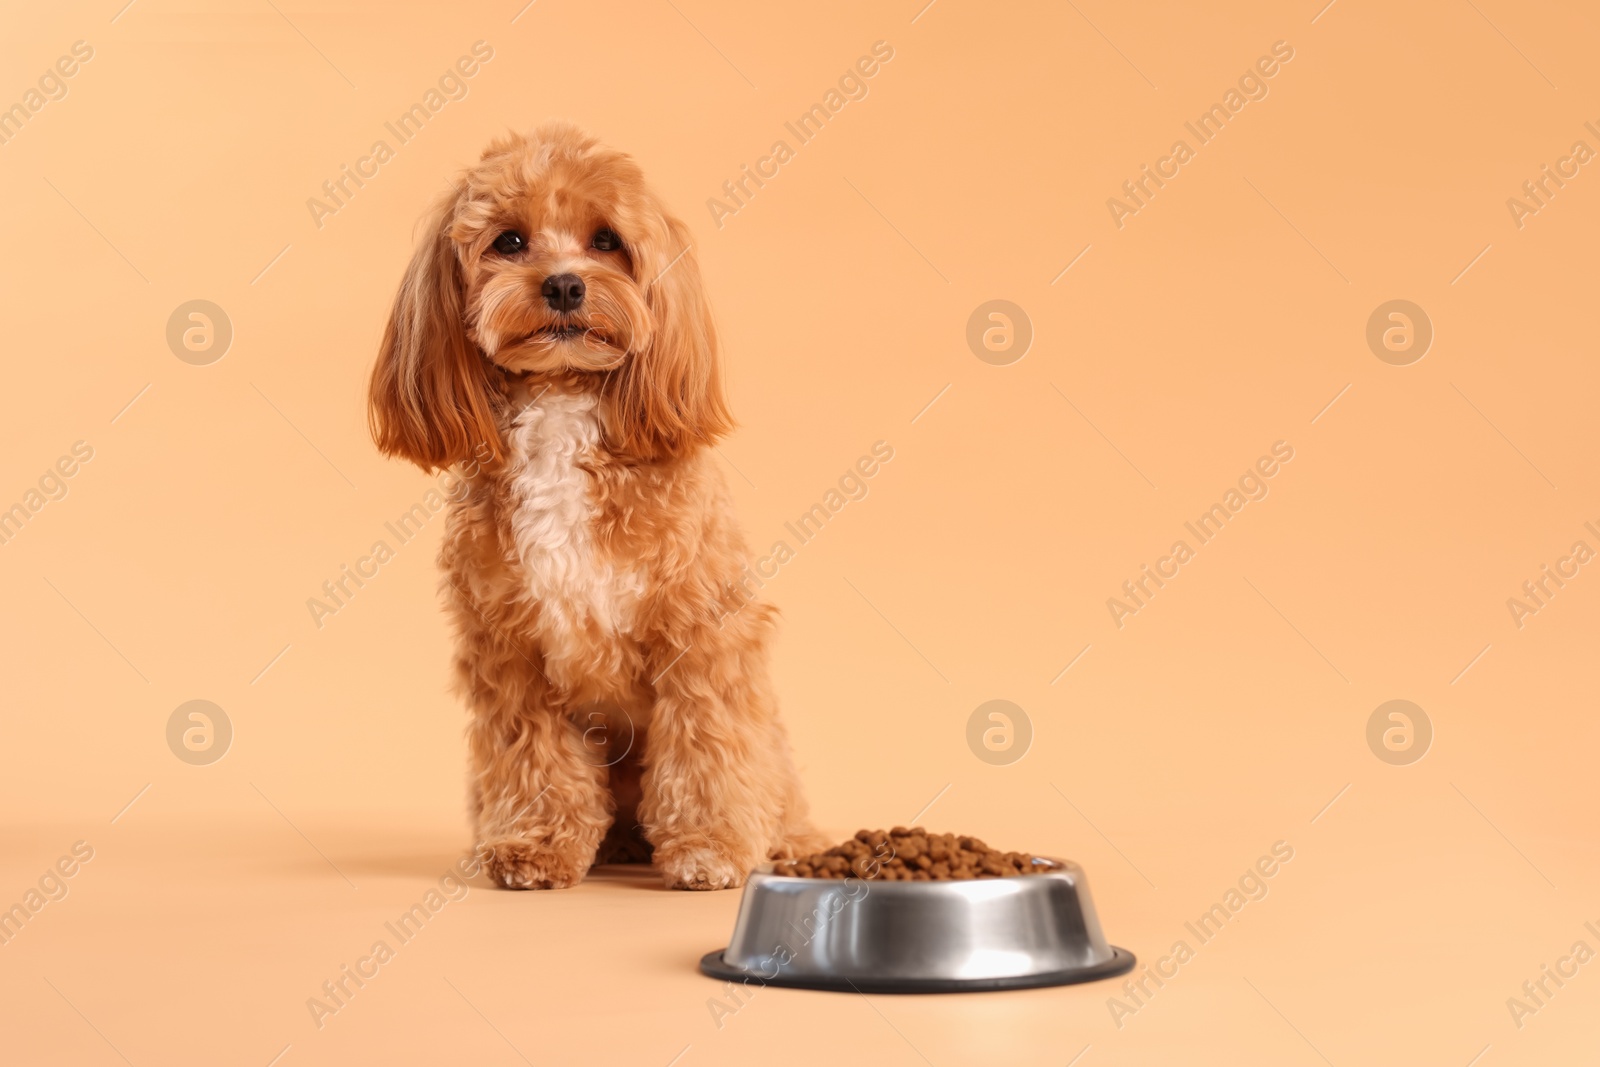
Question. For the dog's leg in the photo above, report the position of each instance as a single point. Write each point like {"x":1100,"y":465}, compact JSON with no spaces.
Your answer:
{"x":797,"y":837}
{"x":720,"y":789}
{"x":540,"y":807}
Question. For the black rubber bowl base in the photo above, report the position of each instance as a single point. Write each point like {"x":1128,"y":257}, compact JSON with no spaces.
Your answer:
{"x":1121,"y":962}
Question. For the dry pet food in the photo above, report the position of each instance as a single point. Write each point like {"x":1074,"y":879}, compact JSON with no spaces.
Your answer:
{"x":914,"y":855}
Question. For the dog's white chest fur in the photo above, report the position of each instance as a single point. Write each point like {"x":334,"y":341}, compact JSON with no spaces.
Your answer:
{"x":552,"y":522}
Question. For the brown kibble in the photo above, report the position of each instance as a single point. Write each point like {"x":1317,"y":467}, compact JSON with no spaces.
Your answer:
{"x":906,"y":855}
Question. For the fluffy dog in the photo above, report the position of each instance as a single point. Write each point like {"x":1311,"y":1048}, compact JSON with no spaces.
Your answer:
{"x":550,"y":340}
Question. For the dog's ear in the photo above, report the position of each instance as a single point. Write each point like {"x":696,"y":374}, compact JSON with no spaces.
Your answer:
{"x":429,"y":398}
{"x":668,"y":398}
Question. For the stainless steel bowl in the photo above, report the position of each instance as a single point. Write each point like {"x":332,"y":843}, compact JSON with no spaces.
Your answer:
{"x":918,"y":937}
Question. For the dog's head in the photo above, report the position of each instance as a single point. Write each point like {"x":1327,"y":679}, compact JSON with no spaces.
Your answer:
{"x":549,"y":256}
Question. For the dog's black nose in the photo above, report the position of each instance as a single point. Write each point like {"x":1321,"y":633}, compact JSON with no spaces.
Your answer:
{"x":563,"y":292}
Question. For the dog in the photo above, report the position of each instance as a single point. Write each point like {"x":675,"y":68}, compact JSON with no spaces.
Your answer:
{"x":551,"y":344}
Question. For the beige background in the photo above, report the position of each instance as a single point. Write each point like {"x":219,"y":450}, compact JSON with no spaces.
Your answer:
{"x":1223,"y":317}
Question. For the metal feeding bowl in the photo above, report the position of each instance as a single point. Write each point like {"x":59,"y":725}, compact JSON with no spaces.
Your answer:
{"x":968,"y":935}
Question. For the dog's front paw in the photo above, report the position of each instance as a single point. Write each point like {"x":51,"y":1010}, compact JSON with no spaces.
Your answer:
{"x":520,"y":865}
{"x":701,"y":867}
{"x":801,"y":842}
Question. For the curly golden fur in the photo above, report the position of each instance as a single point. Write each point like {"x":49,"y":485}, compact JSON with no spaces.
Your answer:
{"x":551,"y":341}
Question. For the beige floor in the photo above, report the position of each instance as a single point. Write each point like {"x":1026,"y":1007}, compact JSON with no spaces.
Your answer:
{"x":203,"y":942}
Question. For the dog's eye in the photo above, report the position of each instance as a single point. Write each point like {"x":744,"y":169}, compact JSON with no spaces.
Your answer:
{"x":606,"y":240}
{"x":510,"y":243}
